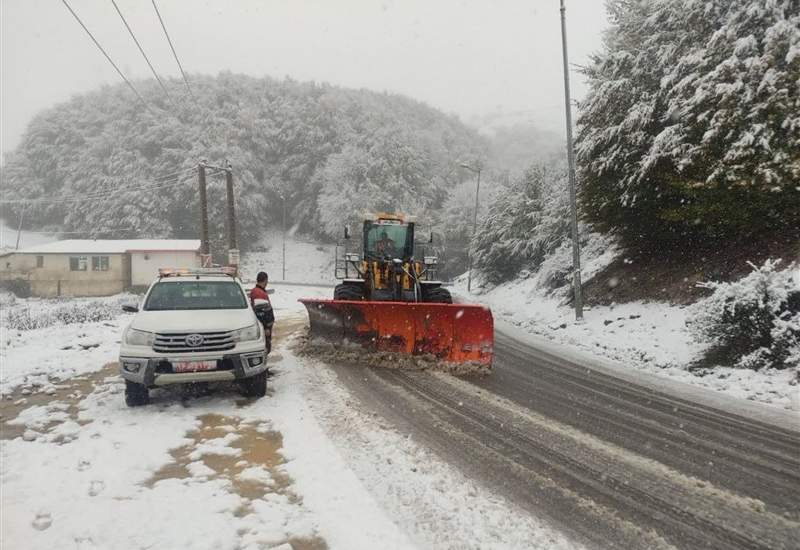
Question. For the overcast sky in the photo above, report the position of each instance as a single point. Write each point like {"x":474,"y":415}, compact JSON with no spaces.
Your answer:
{"x":471,"y":58}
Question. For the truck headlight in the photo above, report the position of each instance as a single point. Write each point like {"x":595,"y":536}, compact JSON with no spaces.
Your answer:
{"x":247,"y":334}
{"x":139,"y":337}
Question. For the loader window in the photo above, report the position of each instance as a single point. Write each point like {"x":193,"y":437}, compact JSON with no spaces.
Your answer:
{"x":387,"y":241}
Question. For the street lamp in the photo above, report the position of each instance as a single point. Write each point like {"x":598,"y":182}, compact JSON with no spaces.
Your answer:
{"x":576,"y":251}
{"x":475,"y":170}
{"x":283,"y":227}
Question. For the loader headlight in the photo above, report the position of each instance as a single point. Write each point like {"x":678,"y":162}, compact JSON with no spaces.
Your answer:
{"x":139,"y":337}
{"x":247,"y":334}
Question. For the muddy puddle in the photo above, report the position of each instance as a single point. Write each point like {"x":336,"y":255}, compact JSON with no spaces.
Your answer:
{"x":253,"y":472}
{"x":257,"y":448}
{"x":63,"y":396}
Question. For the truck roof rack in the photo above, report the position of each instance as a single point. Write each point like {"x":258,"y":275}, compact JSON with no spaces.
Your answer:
{"x":230,"y":271}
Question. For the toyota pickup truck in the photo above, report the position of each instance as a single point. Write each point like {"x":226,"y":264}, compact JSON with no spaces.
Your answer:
{"x":193,"y":325}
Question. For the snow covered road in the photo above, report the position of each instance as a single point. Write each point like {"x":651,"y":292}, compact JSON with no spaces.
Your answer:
{"x":304,"y":468}
{"x":613,"y":462}
{"x":546,"y":452}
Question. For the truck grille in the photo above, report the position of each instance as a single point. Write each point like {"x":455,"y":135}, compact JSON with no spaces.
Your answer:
{"x":185,"y":342}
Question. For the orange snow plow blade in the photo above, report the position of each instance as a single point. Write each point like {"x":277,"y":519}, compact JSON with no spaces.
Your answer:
{"x":456,"y":333}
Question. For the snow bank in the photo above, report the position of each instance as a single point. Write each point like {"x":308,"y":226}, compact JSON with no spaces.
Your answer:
{"x":648,"y":336}
{"x":43,"y":356}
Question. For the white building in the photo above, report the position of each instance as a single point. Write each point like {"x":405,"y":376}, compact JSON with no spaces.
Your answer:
{"x":93,"y":267}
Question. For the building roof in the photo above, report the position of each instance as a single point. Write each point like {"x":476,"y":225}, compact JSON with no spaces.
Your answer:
{"x":109,"y":246}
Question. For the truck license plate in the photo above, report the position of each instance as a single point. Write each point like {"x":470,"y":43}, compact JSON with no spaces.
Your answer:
{"x":193,"y":366}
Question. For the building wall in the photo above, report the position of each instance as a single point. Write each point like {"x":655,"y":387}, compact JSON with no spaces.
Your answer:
{"x":54,"y":278}
{"x":145,"y":265}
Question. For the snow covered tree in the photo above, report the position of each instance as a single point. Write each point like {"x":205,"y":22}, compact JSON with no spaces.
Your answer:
{"x":525,"y":223}
{"x":691,"y":126}
{"x":134,"y":171}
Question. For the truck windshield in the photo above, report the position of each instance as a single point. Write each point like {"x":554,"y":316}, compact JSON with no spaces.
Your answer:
{"x":179,"y":295}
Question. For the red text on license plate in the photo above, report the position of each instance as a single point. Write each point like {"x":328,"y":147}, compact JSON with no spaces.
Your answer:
{"x":193,"y":366}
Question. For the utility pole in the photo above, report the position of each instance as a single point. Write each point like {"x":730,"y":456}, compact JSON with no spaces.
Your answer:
{"x":233,"y":251}
{"x":205,"y":252}
{"x":474,"y":221}
{"x":576,"y":247}
{"x":283,"y":200}
{"x":19,"y":227}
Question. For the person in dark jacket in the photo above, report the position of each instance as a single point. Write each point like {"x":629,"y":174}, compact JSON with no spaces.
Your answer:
{"x":267,"y":318}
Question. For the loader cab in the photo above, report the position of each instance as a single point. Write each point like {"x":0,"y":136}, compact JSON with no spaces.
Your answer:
{"x":388,"y":238}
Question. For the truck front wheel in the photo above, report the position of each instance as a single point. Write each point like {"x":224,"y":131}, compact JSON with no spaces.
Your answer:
{"x":136,"y":395}
{"x":254,"y":386}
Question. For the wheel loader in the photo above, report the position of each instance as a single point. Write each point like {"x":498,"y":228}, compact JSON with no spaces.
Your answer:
{"x":390,"y":299}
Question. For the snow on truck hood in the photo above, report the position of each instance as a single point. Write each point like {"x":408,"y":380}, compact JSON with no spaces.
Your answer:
{"x":195,"y":320}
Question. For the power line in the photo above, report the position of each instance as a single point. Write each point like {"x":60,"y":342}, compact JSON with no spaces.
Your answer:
{"x":141,"y":50}
{"x":116,"y":229}
{"x":171,"y":47}
{"x":96,"y":43}
{"x":96,"y":195}
{"x":108,"y":193}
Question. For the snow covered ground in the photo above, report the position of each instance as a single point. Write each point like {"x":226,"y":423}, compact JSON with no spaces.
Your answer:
{"x":306,"y":262}
{"x":8,"y":237}
{"x":649,"y":336}
{"x":301,"y":468}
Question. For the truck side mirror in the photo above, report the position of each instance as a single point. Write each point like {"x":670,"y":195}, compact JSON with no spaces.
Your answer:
{"x":346,"y":232}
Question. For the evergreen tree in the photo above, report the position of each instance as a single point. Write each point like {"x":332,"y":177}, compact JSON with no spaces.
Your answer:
{"x":691,"y":127}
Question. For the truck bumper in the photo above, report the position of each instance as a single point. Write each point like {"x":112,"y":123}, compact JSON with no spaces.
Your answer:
{"x":157,"y":371}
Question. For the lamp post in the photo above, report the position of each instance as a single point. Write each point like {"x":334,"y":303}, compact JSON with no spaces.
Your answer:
{"x":283,"y":228}
{"x":576,"y":251}
{"x":474,"y":170}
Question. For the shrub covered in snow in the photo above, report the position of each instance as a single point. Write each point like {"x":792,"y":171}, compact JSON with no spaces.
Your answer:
{"x":29,"y":317}
{"x":755,"y":321}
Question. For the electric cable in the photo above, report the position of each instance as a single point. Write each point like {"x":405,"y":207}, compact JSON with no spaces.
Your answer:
{"x":96,"y":43}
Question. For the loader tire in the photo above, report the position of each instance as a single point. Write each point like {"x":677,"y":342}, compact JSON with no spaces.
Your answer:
{"x":438,"y":295}
{"x":348,"y":292}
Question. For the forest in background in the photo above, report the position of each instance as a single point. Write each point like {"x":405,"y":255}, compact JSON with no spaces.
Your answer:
{"x":101,"y":166}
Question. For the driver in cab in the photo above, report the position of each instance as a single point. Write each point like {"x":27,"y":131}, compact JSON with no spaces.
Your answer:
{"x":385,"y":246}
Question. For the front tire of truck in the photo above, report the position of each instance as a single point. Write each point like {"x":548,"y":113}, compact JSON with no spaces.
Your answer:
{"x":254,"y":386}
{"x":136,"y":395}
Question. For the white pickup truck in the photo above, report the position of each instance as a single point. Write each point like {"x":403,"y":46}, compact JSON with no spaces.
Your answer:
{"x":194,"y":325}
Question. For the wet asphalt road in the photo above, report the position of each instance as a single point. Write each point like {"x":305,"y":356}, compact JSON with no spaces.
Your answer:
{"x":609,"y":462}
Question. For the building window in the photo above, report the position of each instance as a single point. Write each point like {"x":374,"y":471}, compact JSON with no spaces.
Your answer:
{"x":78,"y":263}
{"x":99,"y":263}
{"x":39,"y":261}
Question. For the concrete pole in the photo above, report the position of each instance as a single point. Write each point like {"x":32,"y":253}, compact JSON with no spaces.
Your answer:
{"x":205,"y":251}
{"x":576,"y":250}
{"x":231,"y":207}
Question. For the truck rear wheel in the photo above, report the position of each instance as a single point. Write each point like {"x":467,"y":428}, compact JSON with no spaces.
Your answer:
{"x":346,"y":291}
{"x":254,"y":386}
{"x":437,"y":295}
{"x":136,"y":395}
